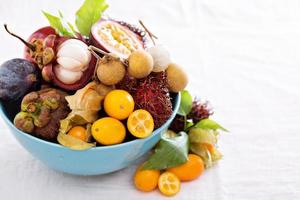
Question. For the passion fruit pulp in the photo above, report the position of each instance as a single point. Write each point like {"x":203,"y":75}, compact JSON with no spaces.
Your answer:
{"x":118,"y":38}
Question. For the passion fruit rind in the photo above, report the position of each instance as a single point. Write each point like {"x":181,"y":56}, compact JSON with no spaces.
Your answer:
{"x":137,"y":30}
{"x":41,"y":112}
{"x":117,"y":37}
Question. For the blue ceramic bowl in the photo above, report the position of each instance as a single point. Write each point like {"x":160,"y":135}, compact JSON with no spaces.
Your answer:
{"x":94,"y":161}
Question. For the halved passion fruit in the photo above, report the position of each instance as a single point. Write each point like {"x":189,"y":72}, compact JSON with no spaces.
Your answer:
{"x":119,"y":38}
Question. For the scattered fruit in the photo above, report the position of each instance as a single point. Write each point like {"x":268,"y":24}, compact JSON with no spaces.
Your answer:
{"x":140,"y":123}
{"x":140,"y":64}
{"x":190,"y":170}
{"x":108,"y":131}
{"x":177,"y":78}
{"x":161,"y":58}
{"x":146,"y":180}
{"x":41,"y":112}
{"x":107,"y":60}
{"x":118,"y":104}
{"x":78,"y":132}
{"x":17,"y":77}
{"x":110,"y":70}
{"x":168,"y":184}
{"x":118,"y":38}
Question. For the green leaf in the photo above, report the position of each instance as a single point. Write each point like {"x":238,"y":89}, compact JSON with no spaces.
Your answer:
{"x":172,"y":150}
{"x":57,"y":24}
{"x":209,"y":124}
{"x":88,"y":14}
{"x":188,"y":125}
{"x":185,"y":103}
{"x":70,"y":28}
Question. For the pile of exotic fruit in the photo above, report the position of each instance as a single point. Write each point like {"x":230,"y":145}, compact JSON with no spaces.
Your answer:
{"x":105,"y":82}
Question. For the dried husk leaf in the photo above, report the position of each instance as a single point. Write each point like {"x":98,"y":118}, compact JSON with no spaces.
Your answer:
{"x":85,"y":103}
{"x":73,"y":143}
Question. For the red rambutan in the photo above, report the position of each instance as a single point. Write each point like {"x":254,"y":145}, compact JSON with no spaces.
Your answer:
{"x":152,"y":95}
{"x":128,"y":83}
{"x":200,"y":110}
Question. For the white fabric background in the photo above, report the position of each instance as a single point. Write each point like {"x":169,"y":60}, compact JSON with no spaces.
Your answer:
{"x":241,"y":55}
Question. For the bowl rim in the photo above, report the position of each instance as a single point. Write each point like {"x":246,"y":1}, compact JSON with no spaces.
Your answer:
{"x":155,"y":132}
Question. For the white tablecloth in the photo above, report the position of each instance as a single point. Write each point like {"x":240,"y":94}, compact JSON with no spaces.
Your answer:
{"x":241,"y":55}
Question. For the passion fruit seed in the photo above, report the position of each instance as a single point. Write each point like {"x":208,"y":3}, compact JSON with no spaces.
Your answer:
{"x":110,"y":70}
{"x":140,"y":64}
{"x":177,"y":78}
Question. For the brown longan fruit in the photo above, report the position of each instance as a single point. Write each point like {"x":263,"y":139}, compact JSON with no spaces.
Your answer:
{"x":176,"y":77}
{"x":140,"y":64}
{"x":110,"y":71}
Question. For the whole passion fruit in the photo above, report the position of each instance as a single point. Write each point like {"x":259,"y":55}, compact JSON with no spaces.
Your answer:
{"x":118,"y":38}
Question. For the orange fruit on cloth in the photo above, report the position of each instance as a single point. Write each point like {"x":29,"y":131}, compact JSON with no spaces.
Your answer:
{"x":190,"y":170}
{"x":146,"y":180}
{"x":140,"y":123}
{"x":108,"y":131}
{"x":168,"y":184}
{"x":118,"y":104}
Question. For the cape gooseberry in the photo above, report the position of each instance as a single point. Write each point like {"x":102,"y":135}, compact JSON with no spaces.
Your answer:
{"x":140,"y":64}
{"x":110,"y":70}
{"x":177,"y":78}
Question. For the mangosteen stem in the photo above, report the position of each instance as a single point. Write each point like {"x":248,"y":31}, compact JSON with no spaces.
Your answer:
{"x":30,"y":46}
{"x":149,"y":32}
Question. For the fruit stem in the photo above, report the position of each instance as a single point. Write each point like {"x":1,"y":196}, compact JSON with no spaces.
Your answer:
{"x":148,"y":31}
{"x":30,"y":46}
{"x":94,"y":49}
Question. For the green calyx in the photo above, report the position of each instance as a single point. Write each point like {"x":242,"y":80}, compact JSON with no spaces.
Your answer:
{"x":52,"y":103}
{"x":35,"y":113}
